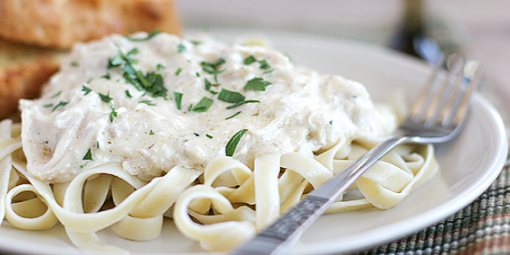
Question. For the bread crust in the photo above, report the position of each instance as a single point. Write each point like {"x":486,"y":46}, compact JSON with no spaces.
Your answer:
{"x":60,"y":23}
{"x":23,"y":81}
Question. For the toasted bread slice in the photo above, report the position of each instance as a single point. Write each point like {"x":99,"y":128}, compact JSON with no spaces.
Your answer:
{"x":60,"y":23}
{"x":23,"y":71}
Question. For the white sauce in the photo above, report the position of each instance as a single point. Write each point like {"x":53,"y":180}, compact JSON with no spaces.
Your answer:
{"x":300,"y":111}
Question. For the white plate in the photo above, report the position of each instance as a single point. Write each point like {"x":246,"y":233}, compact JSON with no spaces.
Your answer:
{"x":468,"y":165}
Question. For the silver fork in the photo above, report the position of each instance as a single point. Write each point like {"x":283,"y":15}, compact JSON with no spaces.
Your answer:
{"x":436,"y":116}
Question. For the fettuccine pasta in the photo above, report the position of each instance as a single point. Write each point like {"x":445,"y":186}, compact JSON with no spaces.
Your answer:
{"x":222,"y":201}
{"x":219,"y":140}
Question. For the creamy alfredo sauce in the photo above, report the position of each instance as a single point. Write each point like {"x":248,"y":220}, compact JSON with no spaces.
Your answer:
{"x":91,"y":113}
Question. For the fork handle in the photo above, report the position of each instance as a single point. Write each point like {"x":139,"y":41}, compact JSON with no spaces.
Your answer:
{"x":276,"y":239}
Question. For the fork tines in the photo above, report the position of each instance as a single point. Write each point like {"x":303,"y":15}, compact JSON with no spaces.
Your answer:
{"x":444,"y":99}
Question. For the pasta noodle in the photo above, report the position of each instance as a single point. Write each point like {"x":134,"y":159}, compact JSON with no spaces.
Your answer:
{"x":223,"y":203}
{"x":110,"y":145}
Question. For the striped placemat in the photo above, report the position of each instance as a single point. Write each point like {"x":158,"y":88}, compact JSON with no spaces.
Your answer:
{"x":482,"y":227}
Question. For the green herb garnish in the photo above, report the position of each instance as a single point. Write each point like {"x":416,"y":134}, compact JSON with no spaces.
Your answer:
{"x":114,"y":113}
{"x":106,"y":98}
{"x":149,"y":36}
{"x":61,"y":103}
{"x":241,"y":103}
{"x":203,"y":105}
{"x":147,"y":102}
{"x":128,"y":94}
{"x":209,"y":136}
{"x":257,"y":84}
{"x":74,"y":64}
{"x":181,"y":48}
{"x":178,"y":99}
{"x":249,"y":60}
{"x":195,"y":42}
{"x":151,"y":132}
{"x":133,"y":51}
{"x":264,"y":65}
{"x":48,"y":105}
{"x":106,"y":76}
{"x":212,"y":67}
{"x":179,"y":70}
{"x":208,"y":85}
{"x":160,"y":66}
{"x":57,"y":94}
{"x":116,"y":61}
{"x":235,"y":114}
{"x":86,"y":89}
{"x":232,"y":144}
{"x":230,"y":96}
{"x":88,"y":155}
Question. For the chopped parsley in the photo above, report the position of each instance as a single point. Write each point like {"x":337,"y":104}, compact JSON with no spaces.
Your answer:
{"x":86,"y":89}
{"x":264,"y":65}
{"x":116,"y":61}
{"x":257,"y":84}
{"x":230,"y":96}
{"x":114,"y":113}
{"x":178,"y":99}
{"x":57,"y":94}
{"x":151,"y":132}
{"x":160,"y":66}
{"x":232,"y":144}
{"x":149,"y":36}
{"x":195,"y":42}
{"x":150,"y":82}
{"x":74,"y":64}
{"x":249,"y":60}
{"x":208,"y":85}
{"x":269,"y":71}
{"x":203,"y":105}
{"x":147,"y":102}
{"x":235,"y":114}
{"x":128,"y":94}
{"x":88,"y":155}
{"x":197,"y":74}
{"x":212,"y":67}
{"x":48,"y":105}
{"x":61,"y":103}
{"x":181,"y":48}
{"x":209,"y":136}
{"x":106,"y":76}
{"x":241,"y":103}
{"x":132,"y":51}
{"x":106,"y":98}
{"x":179,"y":70}
{"x":128,"y":68}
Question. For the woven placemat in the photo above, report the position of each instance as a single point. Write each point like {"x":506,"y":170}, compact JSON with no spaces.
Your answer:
{"x":482,"y":227}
